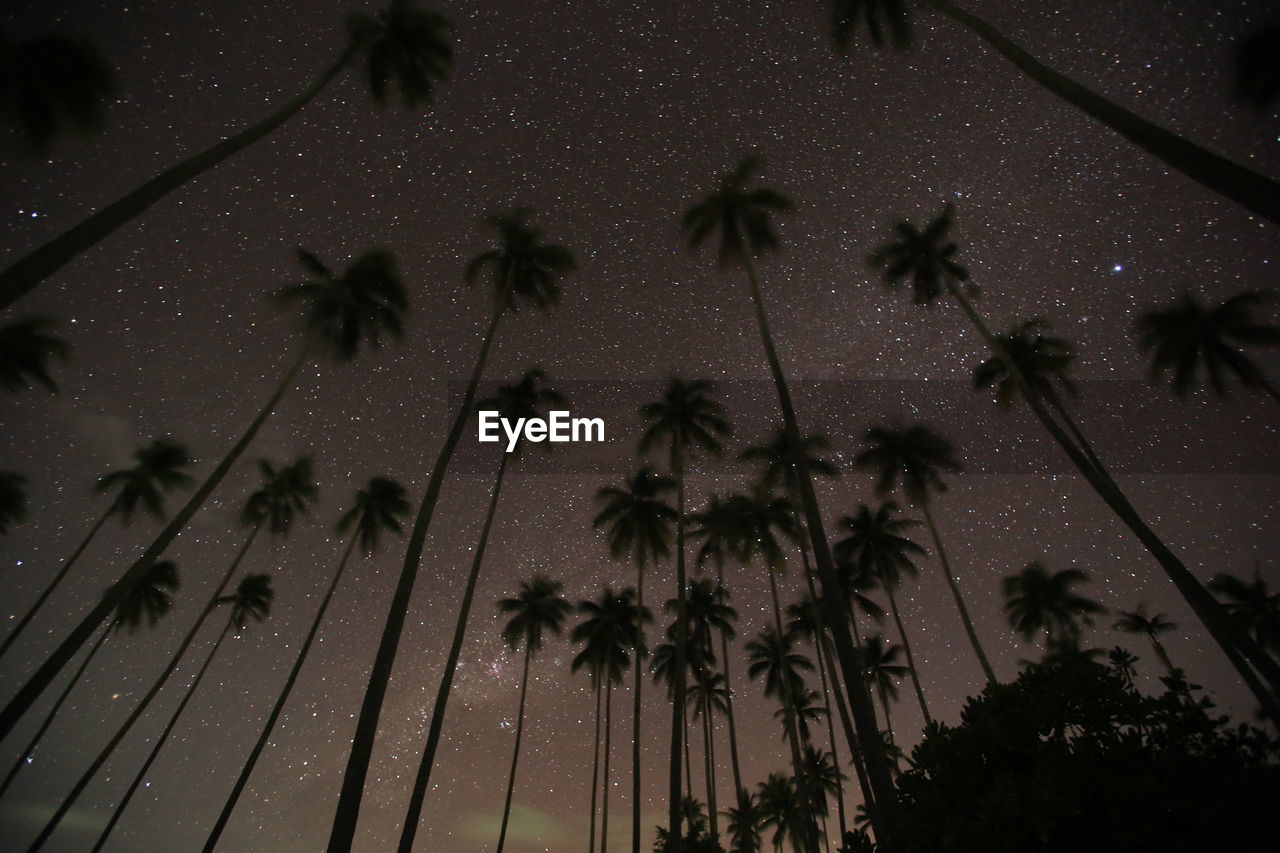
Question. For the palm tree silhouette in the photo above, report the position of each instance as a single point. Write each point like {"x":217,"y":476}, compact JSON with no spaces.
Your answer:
{"x":367,"y":299}
{"x":1257,"y":73}
{"x":1188,"y":337}
{"x":822,"y":774}
{"x":780,"y":807}
{"x":378,"y":509}
{"x":772,"y":654}
{"x":880,"y":659}
{"x":745,"y":822}
{"x":741,"y":215}
{"x":707,"y":695}
{"x":685,"y":419}
{"x":251,"y":600}
{"x":157,"y":469}
{"x":1138,"y":621}
{"x":51,"y":84}
{"x":284,"y":494}
{"x":1243,"y":186}
{"x":1123,"y":662}
{"x":1254,"y":607}
{"x":1039,"y":601}
{"x":26,"y":348}
{"x":404,"y":44}
{"x":525,"y":268}
{"x":13,"y":500}
{"x":913,"y":458}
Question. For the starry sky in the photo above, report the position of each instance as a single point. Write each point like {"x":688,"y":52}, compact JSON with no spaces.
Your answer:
{"x":609,"y":118}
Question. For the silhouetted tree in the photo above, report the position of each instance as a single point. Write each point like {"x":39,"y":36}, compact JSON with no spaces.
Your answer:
{"x":1253,"y":607}
{"x":1257,"y":69}
{"x":1138,"y":621}
{"x":51,"y":84}
{"x":13,"y":500}
{"x":26,"y":348}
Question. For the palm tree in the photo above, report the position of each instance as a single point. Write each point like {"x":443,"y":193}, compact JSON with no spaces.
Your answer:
{"x":157,"y":469}
{"x":781,"y":807}
{"x":772,"y":654}
{"x":1123,"y":662}
{"x":26,"y":348}
{"x":1243,"y":186}
{"x":13,"y":500}
{"x":525,"y":268}
{"x":741,"y":214}
{"x":361,"y":303}
{"x":251,"y":600}
{"x":745,"y":822}
{"x":378,"y":508}
{"x":147,"y":602}
{"x":914,"y":458}
{"x":637,"y":521}
{"x":878,"y":545}
{"x":1188,"y":337}
{"x":1254,"y":607}
{"x":822,"y":775}
{"x":927,"y":260}
{"x":284,"y":493}
{"x":53,"y":83}
{"x":1138,"y":621}
{"x":707,"y":695}
{"x":684,"y":419}
{"x":405,"y":44}
{"x":1257,"y":73}
{"x":536,"y":610}
{"x":880,"y":659}
{"x":525,"y":399}
{"x":1037,"y":601}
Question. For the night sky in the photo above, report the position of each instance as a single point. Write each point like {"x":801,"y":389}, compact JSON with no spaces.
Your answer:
{"x":609,"y":118}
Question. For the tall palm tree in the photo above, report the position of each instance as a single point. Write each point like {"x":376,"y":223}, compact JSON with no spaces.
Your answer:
{"x":1243,"y":186}
{"x":771,"y":655}
{"x":822,"y":775}
{"x":26,"y":348}
{"x":1187,"y":338}
{"x":146,"y":604}
{"x":13,"y":500}
{"x":782,"y":808}
{"x":1124,"y":663}
{"x":404,"y":44}
{"x":157,"y":469}
{"x":1039,"y":601}
{"x":524,"y":268}
{"x":881,"y":661}
{"x":1138,"y":621}
{"x":686,"y":419}
{"x":528,"y":398}
{"x":283,"y":495}
{"x":706,"y":696}
{"x":1254,"y":607}
{"x":927,"y":260}
{"x":251,"y":600}
{"x":342,"y":311}
{"x":378,"y":509}
{"x":745,"y":822}
{"x":914,"y":458}
{"x":741,"y":215}
{"x":536,"y":610}
{"x":638,"y":523}
{"x":53,"y":83}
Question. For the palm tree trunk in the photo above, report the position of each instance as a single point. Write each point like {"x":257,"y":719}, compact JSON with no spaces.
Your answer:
{"x":347,"y":812}
{"x":515,"y":752}
{"x":906,"y":646}
{"x":1056,"y":403}
{"x":955,"y":591}
{"x":1163,"y":655}
{"x":62,"y":655}
{"x":25,"y":756}
{"x":159,"y":744}
{"x":884,"y":705}
{"x":831,"y":734}
{"x":728,"y":703}
{"x":709,"y":757}
{"x":682,"y":640}
{"x":36,"y":266}
{"x":57,"y":579}
{"x":105,"y":753}
{"x":595,"y":775}
{"x":414,"y":815}
{"x":635,"y":713}
{"x":1243,"y":186}
{"x":881,"y":799}
{"x":281,"y":701}
{"x":608,"y":742}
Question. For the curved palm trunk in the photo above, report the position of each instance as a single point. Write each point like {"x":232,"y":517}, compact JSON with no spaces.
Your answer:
{"x":62,"y":655}
{"x":347,"y":812}
{"x":831,"y":737}
{"x":160,"y":742}
{"x":709,"y":759}
{"x":423,"y":779}
{"x":57,"y":579}
{"x":608,"y":743}
{"x":89,"y":774}
{"x":35,"y":267}
{"x":728,"y":708}
{"x":681,"y":657}
{"x":243,"y":780}
{"x":881,"y":799}
{"x":24,"y":757}
{"x":515,"y":752}
{"x":927,"y":511}
{"x":595,"y":775}
{"x":1243,"y":186}
{"x":1056,"y":403}
{"x":635,"y":716}
{"x":906,"y":646}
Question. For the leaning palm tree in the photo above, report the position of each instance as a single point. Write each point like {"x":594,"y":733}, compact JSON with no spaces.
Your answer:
{"x":1038,"y":601}
{"x":405,"y":45}
{"x":1254,"y":607}
{"x":741,"y":215}
{"x":881,"y":661}
{"x":1225,"y":177}
{"x":13,"y":500}
{"x":146,"y":604}
{"x":536,"y":610}
{"x":26,"y":348}
{"x":342,"y":312}
{"x":157,"y":469}
{"x":377,"y":510}
{"x":523,"y":400}
{"x":914,"y":458}
{"x":638,"y":523}
{"x":1151,"y":626}
{"x":285,"y":494}
{"x":251,"y":600}
{"x":685,"y":420}
{"x":523,"y":268}
{"x":51,"y":84}
{"x":1188,"y":338}
{"x":772,"y":655}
